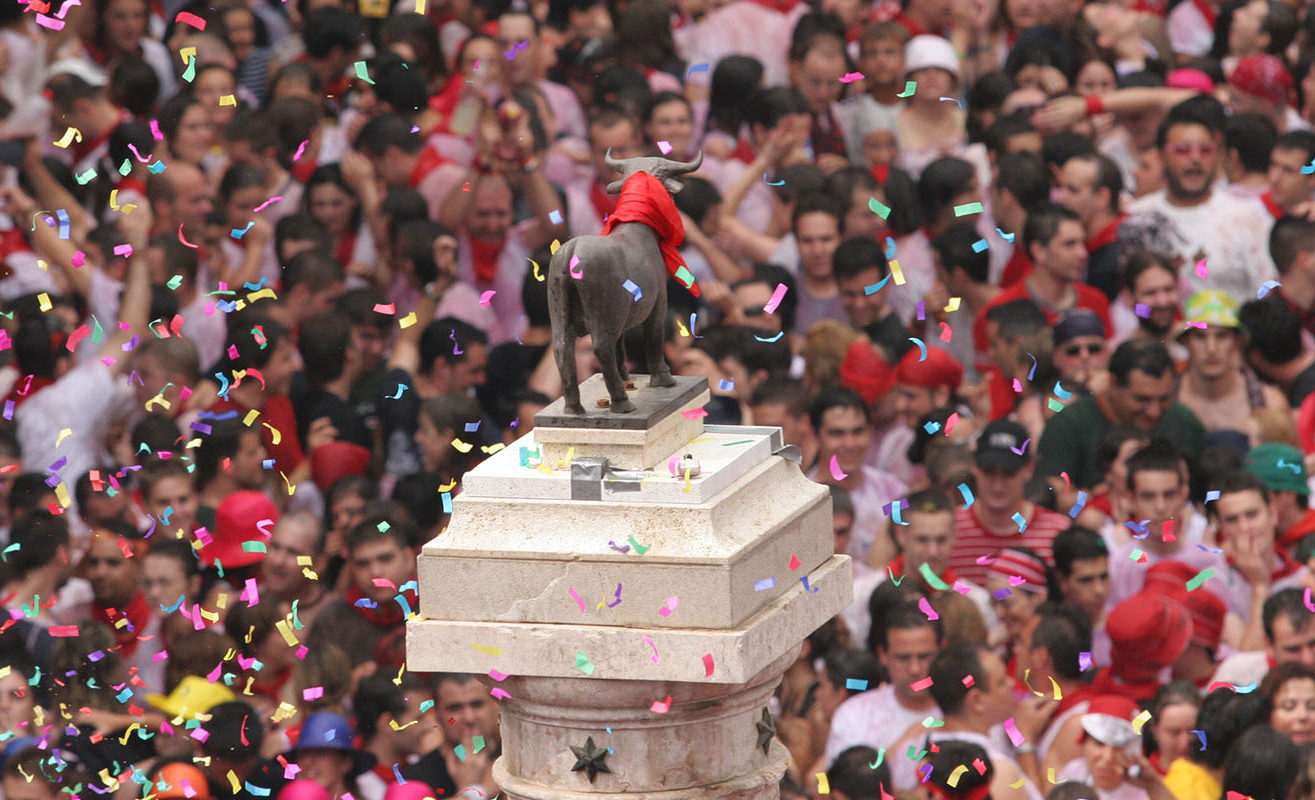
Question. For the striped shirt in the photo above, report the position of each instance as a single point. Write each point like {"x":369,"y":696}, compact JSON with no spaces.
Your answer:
{"x":974,"y":541}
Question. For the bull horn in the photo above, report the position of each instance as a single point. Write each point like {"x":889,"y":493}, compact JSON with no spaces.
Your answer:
{"x":612,"y":162}
{"x":682,"y":167}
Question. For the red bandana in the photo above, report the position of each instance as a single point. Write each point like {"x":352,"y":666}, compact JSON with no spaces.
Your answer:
{"x":484,"y":255}
{"x":384,"y":615}
{"x":429,"y":160}
{"x":138,"y":614}
{"x":644,"y":199}
{"x":343,"y":252}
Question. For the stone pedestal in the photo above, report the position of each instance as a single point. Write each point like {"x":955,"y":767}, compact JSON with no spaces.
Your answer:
{"x":632,"y":622}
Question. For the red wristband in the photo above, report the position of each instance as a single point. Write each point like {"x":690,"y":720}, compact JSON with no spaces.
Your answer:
{"x":1095,"y":105}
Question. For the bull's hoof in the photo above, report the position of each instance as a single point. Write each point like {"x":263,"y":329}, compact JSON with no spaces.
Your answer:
{"x":661,"y":380}
{"x":623,"y":407}
{"x":575,"y":408}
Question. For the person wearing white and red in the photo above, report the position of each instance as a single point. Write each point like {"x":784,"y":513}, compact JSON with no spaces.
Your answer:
{"x":1109,"y":747}
{"x":1092,"y":185}
{"x":1000,"y":516}
{"x":1197,"y":662}
{"x":1148,"y":632}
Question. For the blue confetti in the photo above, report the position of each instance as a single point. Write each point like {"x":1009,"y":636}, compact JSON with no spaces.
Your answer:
{"x":1008,"y":237}
{"x":873,"y":288}
{"x":810,"y":589}
{"x":931,"y":427}
{"x":770,"y":339}
{"x":856,"y":685}
{"x":1078,"y":506}
{"x":921,"y":347}
{"x":967,"y":493}
{"x":1200,"y":735}
{"x":1211,"y":495}
{"x":447,"y":502}
{"x":890,"y":248}
{"x":633,"y":288}
{"x":693,"y":68}
{"x":764,"y":584}
{"x":1061,"y":392}
{"x":1266,"y":288}
{"x":1020,"y":521}
{"x":555,"y":217}
{"x":980,"y":245}
{"x":726,"y":385}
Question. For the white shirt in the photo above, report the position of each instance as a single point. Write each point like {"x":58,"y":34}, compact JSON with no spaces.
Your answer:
{"x":877,"y":489}
{"x":86,"y":400}
{"x":1127,"y":576}
{"x":874,"y":718}
{"x":1230,"y":233}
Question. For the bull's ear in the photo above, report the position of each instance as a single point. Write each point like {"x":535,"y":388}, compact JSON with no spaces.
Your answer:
{"x":672,"y":185}
{"x":615,"y":187}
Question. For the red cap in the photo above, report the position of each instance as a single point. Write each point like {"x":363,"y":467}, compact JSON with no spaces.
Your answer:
{"x":238,"y":520}
{"x":330,"y":463}
{"x":1262,"y":76}
{"x":1208,"y":611}
{"x":866,"y":372}
{"x":1148,"y":632}
{"x":938,"y":369}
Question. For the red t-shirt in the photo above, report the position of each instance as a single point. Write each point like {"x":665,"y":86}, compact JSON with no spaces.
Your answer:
{"x":972,"y":541}
{"x":278,"y":412}
{"x":1088,"y":297}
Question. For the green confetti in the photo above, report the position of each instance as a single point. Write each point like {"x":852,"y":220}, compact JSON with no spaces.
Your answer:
{"x":932,"y":722}
{"x":478,"y":741}
{"x":968,"y":208}
{"x":930,"y":577}
{"x":1054,"y":405}
{"x":11,"y":548}
{"x":254,"y":547}
{"x":639,"y":548}
{"x":582,"y":663}
{"x":363,"y":72}
{"x":297,"y":624}
{"x":459,"y":750}
{"x":1135,"y":555}
{"x":909,"y":88}
{"x":1201,"y":577}
{"x":879,"y":208}
{"x":175,"y":282}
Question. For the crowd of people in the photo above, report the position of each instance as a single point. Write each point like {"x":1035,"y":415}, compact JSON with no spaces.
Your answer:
{"x":1031,"y":285}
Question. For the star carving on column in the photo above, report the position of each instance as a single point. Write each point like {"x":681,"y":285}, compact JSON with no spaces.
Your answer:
{"x":590,"y":759}
{"x":766,"y":730}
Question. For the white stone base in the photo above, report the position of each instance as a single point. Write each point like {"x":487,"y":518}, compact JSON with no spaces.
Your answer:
{"x":624,"y":449}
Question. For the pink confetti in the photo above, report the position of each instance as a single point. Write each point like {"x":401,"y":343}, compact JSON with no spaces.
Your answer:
{"x":836,"y":472}
{"x":313,"y":693}
{"x":951,"y":422}
{"x":1011,"y":728}
{"x":1018,"y":385}
{"x":850,"y":77}
{"x":123,"y":250}
{"x":665,"y":147}
{"x":670,"y":607}
{"x":301,"y":149}
{"x":925,"y":607}
{"x":661,"y":706}
{"x":384,"y":583}
{"x":188,"y":18}
{"x":79,"y":258}
{"x":50,"y":22}
{"x":497,"y":676}
{"x":795,"y":563}
{"x":578,"y":599}
{"x":919,"y":686}
{"x":946,"y":333}
{"x":486,"y":296}
{"x":649,"y":642}
{"x":155,"y":131}
{"x":271,"y":201}
{"x":385,"y":308}
{"x":575,"y":261}
{"x":1201,"y":271}
{"x":708,"y":665}
{"x":777,"y":297}
{"x":251,"y":593}
{"x":500,"y":693}
{"x":695,"y":413}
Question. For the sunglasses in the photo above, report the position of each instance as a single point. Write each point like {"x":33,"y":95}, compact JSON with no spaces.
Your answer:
{"x":1187,"y":148}
{"x":1091,"y":348}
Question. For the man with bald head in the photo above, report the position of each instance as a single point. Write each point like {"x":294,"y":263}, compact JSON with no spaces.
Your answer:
{"x":180,"y":196}
{"x":292,"y":558}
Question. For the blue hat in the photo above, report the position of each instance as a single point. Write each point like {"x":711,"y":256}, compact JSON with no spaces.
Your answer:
{"x":329,"y":731}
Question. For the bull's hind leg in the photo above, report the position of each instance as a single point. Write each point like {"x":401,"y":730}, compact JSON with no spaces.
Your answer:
{"x":564,"y":353}
{"x":654,"y":340}
{"x":606,"y":352}
{"x":621,"y":367}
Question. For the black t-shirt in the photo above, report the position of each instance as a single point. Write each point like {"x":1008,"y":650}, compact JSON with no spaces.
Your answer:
{"x":432,"y":769}
{"x":1302,"y":385}
{"x":891,"y":334}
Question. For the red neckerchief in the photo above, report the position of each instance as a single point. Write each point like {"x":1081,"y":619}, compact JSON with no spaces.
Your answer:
{"x":1106,"y":235}
{"x":645,"y":200}
{"x":881,"y":172}
{"x":302,"y":169}
{"x":272,"y":690}
{"x":781,"y":6}
{"x":429,"y":160}
{"x":1208,"y":11}
{"x":86,"y":147}
{"x":896,"y":568}
{"x":827,"y":139}
{"x":1273,"y":208}
{"x":484,"y":255}
{"x":912,"y":27}
{"x":1072,"y":698}
{"x":1307,"y":318}
{"x":346,"y":244}
{"x":13,"y":241}
{"x":604,"y":203}
{"x":744,"y":151}
{"x":1287,"y":565}
{"x":1304,"y":526}
{"x":1154,"y":758}
{"x":445,"y":101}
{"x":384,"y":771}
{"x":138,"y":614}
{"x":131,"y":184}
{"x":384,"y":615}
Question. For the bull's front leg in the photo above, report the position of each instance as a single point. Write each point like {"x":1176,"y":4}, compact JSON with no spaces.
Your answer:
{"x":655,"y":329}
{"x":605,"y":349}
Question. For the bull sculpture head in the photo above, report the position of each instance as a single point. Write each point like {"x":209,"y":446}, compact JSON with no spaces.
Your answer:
{"x":664,"y":169}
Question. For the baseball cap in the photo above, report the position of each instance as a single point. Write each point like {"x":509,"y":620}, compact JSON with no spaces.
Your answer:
{"x":1077,"y":322}
{"x":1003,"y":444}
{"x":1280,"y":467}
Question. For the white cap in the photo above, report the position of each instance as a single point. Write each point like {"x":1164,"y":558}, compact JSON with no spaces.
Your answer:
{"x":925,"y":51}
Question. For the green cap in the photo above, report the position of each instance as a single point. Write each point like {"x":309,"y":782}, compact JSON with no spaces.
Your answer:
{"x":1279,"y":466}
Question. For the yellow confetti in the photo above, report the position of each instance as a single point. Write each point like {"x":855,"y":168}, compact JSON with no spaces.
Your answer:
{"x":311,"y":575}
{"x":492,"y":448}
{"x":252,"y":416}
{"x":285,"y":630}
{"x":823,"y":785}
{"x":123,"y":740}
{"x":896,"y":272}
{"x":1139,"y":721}
{"x":227,"y":100}
{"x":114,"y":199}
{"x":61,"y":495}
{"x":538,"y":276}
{"x":687,"y":485}
{"x":158,"y":400}
{"x":5,"y":670}
{"x":70,"y":136}
{"x":407,"y":321}
{"x":393,"y":724}
{"x":681,"y":329}
{"x":1058,"y":694}
{"x":275,"y":436}
{"x":63,"y":434}
{"x":43,"y":302}
{"x":488,"y":651}
{"x":462,"y":447}
{"x":44,"y":266}
{"x":953,"y":780}
{"x":953,"y":305}
{"x":554,"y":247}
{"x":232,"y":781}
{"x":187,"y":53}
{"x":420,"y":7}
{"x":570,"y":455}
{"x":447,"y":487}
{"x":302,"y":561}
{"x":292,"y":487}
{"x":222,"y":600}
{"x":398,"y":680}
{"x":107,"y":779}
{"x":266,"y":292}
{"x":1050,"y":774}
{"x":285,"y":711}
{"x":1018,"y":784}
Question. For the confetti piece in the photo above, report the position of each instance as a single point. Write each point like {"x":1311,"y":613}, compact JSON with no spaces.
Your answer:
{"x":1008,"y":237}
{"x":649,"y":642}
{"x":488,"y":651}
{"x":925,"y":608}
{"x":670,"y":607}
{"x":633,"y":288}
{"x":1020,"y":521}
{"x":1211,"y":495}
{"x":188,"y":18}
{"x":856,"y":685}
{"x":921,"y":347}
{"x":1266,"y":288}
{"x":70,"y":136}
{"x":661,"y":706}
{"x":1078,"y":506}
{"x":764,"y":584}
{"x":873,"y":288}
{"x":978,"y":246}
{"x":500,"y":693}
{"x":578,"y":599}
{"x":575,"y":261}
{"x":967,"y":495}
{"x":959,"y":772}
{"x":555,"y":217}
{"x":931,"y":578}
{"x":363,"y":72}
{"x":1200,"y":578}
{"x":1084,"y":661}
{"x":1201,"y":271}
{"x":1142,"y":310}
{"x":836,"y":472}
{"x":1011,"y":728}
{"x":777,"y":296}
{"x":896,"y":272}
{"x":1139,"y":721}
{"x":583,"y":664}
{"x":909,"y":88}
{"x":1200,"y":735}
{"x":967,"y":208}
{"x":709,"y":666}
{"x":313,"y":693}
{"x":823,"y":785}
{"x":879,"y":208}
{"x":701,"y":67}
{"x":664,"y":147}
